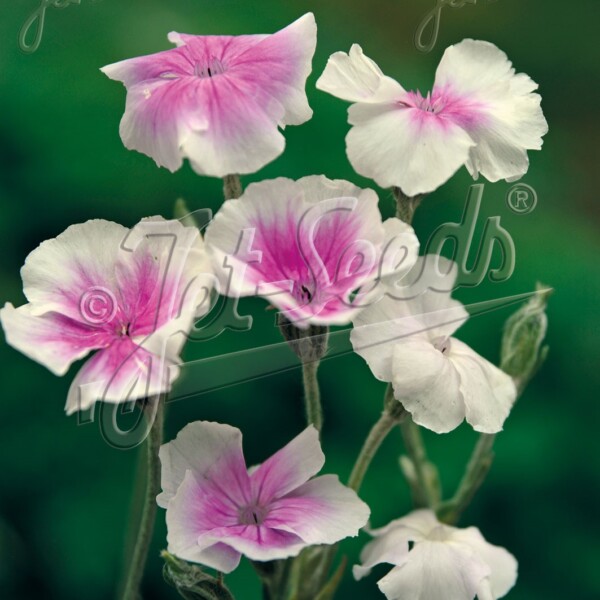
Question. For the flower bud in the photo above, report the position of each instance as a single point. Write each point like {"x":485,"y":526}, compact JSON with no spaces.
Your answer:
{"x":521,"y":352}
{"x":191,"y":581}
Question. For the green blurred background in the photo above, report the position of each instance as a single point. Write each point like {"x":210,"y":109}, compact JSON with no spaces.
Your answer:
{"x":65,"y":494}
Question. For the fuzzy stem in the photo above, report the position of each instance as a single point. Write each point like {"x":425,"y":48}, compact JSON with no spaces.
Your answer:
{"x":312,"y":394}
{"x":406,"y":205}
{"x":232,"y":187}
{"x":392,"y":414}
{"x":146,"y":525}
{"x":378,"y":433}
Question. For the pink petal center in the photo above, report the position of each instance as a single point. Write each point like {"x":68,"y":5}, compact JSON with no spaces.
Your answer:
{"x":210,"y":68}
{"x":253,"y":514}
{"x":444,"y":103}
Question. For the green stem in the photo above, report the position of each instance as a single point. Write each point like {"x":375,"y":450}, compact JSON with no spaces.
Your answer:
{"x":393,"y":413}
{"x":387,"y":421}
{"x":232,"y":187}
{"x":312,"y":394}
{"x":148,"y":515}
{"x":425,"y":483}
{"x":406,"y":205}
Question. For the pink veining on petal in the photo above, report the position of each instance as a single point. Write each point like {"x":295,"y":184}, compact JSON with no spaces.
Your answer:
{"x":88,"y":291}
{"x":442,"y":105}
{"x":318,"y":264}
{"x":213,"y":98}
{"x":263,"y":514}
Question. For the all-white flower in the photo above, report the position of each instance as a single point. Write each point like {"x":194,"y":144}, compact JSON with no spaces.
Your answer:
{"x":480,"y":114}
{"x":443,"y":563}
{"x":406,"y":338}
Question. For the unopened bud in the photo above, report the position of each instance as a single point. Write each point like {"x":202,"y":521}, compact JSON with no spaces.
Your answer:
{"x":191,"y":581}
{"x":522,"y":353}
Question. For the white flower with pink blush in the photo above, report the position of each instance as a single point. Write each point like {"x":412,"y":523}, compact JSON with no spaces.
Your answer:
{"x":480,"y":114}
{"x":307,"y":246}
{"x":217,"y":509}
{"x":130,"y":295}
{"x":433,"y":561}
{"x":218,"y":100}
{"x":407,"y":339}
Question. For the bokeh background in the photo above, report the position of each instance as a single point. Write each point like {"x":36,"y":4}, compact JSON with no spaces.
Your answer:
{"x":65,"y":495}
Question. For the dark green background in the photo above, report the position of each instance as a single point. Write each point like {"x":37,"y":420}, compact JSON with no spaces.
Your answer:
{"x":65,"y":494}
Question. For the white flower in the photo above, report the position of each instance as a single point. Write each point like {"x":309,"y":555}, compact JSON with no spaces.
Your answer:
{"x":444,"y":563}
{"x":480,"y":114}
{"x":405,"y":337}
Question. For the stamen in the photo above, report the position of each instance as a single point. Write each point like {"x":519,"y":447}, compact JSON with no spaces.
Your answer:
{"x":210,"y":69}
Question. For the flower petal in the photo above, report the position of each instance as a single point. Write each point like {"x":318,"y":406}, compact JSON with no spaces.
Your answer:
{"x":288,"y":468}
{"x":255,"y":541}
{"x":417,"y":525}
{"x":241,"y":134}
{"x":435,"y":571}
{"x":280,"y":64}
{"x":190,"y":513}
{"x":59,"y":272}
{"x":427,"y":384}
{"x":502,"y":563}
{"x":356,"y":78}
{"x":391,"y":548}
{"x":504,"y":115}
{"x":376,"y":331}
{"x":425,"y":294}
{"x":488,"y":392}
{"x":213,"y":453}
{"x":406,"y":147}
{"x":52,"y":340}
{"x":418,"y":305}
{"x":165,"y":273}
{"x":321,"y":511}
{"x":391,"y":543}
{"x":122,"y":372}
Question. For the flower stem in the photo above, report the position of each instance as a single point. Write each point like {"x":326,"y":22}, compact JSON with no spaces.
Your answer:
{"x":406,"y":205}
{"x":374,"y":440}
{"x":312,"y":394}
{"x":232,"y":187}
{"x":421,"y":474}
{"x":392,"y":414}
{"x":146,"y":525}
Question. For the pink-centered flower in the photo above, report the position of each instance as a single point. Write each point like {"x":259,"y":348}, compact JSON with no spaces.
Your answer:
{"x":131,"y":295}
{"x":307,"y":246}
{"x":218,"y":510}
{"x":218,"y":100}
{"x":433,"y":561}
{"x":480,"y":114}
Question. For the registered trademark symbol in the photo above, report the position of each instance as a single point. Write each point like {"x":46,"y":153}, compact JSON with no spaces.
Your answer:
{"x":521,"y":198}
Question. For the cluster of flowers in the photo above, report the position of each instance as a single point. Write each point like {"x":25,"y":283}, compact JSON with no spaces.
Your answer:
{"x":320,"y":252}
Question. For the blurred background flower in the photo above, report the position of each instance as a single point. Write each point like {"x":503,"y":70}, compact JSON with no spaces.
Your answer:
{"x":65,"y":495}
